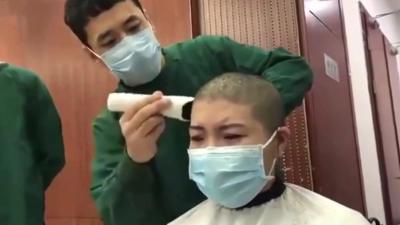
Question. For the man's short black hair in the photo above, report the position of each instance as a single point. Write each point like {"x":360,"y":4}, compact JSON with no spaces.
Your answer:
{"x":78,"y":12}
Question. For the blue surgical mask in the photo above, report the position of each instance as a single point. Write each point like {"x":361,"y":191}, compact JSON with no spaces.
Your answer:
{"x":232,"y":176}
{"x":137,"y":59}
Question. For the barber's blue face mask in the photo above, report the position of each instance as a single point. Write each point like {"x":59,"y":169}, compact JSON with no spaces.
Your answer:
{"x":232,"y":175}
{"x":136,"y":60}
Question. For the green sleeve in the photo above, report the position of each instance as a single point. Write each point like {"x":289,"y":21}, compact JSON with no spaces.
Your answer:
{"x":45,"y":130}
{"x":289,"y":73}
{"x":124,"y":191}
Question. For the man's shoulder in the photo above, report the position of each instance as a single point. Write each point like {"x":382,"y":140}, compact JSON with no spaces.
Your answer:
{"x":20,"y":76}
{"x":18,"y":72}
{"x":210,"y":39}
{"x":3,"y":64}
{"x":199,"y":42}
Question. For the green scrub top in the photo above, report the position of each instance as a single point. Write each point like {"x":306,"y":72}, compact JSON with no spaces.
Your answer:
{"x":154,"y":193}
{"x":31,"y":146}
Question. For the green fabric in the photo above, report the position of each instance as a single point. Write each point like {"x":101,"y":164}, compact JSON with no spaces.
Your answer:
{"x":155,"y":193}
{"x":31,"y":146}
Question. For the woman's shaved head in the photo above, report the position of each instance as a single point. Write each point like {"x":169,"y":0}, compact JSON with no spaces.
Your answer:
{"x":265,"y":101}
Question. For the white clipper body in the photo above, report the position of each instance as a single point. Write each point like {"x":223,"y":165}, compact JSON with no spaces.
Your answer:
{"x":120,"y":102}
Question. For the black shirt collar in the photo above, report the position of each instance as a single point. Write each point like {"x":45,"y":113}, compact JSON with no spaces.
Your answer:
{"x":277,"y":189}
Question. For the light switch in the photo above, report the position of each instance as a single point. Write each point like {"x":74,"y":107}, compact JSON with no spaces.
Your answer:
{"x":331,"y":68}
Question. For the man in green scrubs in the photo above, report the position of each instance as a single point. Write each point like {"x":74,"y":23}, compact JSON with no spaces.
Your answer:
{"x":31,"y":146}
{"x":140,"y":165}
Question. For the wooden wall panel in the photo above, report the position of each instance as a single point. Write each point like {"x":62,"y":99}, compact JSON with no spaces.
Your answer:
{"x":172,"y":19}
{"x":267,"y":24}
{"x":34,"y":36}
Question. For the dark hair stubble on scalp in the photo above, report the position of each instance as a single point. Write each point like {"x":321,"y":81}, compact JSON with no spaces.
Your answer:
{"x":265,"y":101}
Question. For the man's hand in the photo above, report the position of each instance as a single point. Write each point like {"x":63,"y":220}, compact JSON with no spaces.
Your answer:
{"x":142,"y":125}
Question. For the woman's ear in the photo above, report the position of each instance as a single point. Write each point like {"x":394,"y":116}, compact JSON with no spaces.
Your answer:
{"x":283,"y":137}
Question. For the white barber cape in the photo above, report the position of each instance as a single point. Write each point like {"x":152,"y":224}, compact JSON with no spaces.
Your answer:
{"x":296,"y":206}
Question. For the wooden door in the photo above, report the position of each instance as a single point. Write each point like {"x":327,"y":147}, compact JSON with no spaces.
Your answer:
{"x":384,"y":77}
{"x":333,"y":143}
{"x":34,"y":36}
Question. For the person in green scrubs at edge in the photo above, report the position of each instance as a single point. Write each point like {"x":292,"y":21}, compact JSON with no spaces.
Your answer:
{"x":31,"y":146}
{"x":140,"y":168}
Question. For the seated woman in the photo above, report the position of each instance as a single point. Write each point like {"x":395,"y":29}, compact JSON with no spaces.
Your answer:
{"x":237,"y":134}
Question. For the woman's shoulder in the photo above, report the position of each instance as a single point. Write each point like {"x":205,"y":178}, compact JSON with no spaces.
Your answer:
{"x":322,"y":208}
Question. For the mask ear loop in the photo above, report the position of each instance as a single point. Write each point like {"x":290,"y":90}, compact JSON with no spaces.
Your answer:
{"x":272,"y":167}
{"x":94,"y":53}
{"x":271,"y":139}
{"x":100,"y":58}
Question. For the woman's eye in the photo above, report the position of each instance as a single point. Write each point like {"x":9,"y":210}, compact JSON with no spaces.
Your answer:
{"x":196,"y":139}
{"x":233,"y":136}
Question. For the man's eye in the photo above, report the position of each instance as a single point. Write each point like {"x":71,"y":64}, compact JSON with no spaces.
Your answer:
{"x":109,"y":43}
{"x":133,"y":28}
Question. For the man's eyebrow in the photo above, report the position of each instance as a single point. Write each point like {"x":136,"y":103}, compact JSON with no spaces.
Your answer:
{"x":131,"y":19}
